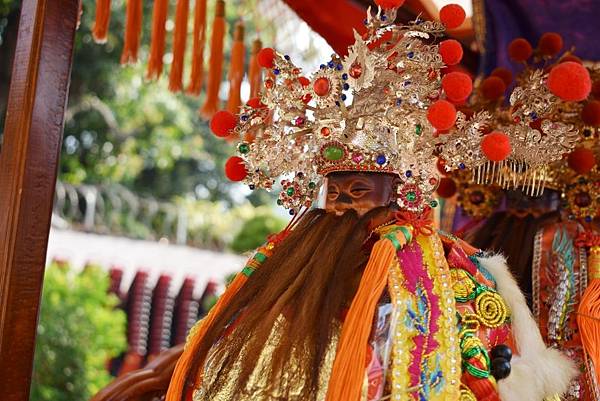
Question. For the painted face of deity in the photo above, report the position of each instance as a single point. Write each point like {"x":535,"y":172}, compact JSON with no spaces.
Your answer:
{"x":359,"y":191}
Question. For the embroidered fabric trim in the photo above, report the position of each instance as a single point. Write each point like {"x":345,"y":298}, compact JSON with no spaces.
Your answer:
{"x":425,"y":334}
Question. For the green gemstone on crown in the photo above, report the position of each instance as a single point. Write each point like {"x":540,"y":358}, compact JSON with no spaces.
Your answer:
{"x":312,"y":185}
{"x":290,"y":191}
{"x":244,"y":148}
{"x":411,"y":196}
{"x":333,"y":153}
{"x":418,"y":129}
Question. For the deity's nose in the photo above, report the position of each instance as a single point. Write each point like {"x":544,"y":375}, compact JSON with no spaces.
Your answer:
{"x":344,"y":198}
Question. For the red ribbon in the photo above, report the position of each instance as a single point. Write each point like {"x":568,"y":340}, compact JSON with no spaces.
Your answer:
{"x":421,"y":222}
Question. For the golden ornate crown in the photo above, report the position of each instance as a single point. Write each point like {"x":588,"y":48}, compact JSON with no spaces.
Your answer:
{"x":385,"y":107}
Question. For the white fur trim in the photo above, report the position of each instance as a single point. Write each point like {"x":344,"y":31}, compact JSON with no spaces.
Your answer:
{"x":538,"y":372}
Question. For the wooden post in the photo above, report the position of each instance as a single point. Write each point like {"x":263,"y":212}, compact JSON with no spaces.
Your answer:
{"x":28,"y":168}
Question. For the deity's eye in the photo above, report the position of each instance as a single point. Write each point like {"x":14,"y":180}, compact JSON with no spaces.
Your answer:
{"x":333,"y":192}
{"x":360,"y":189}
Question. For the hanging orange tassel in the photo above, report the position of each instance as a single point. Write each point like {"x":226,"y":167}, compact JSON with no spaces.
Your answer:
{"x":133,"y":31}
{"x":588,"y":313}
{"x":198,"y":40}
{"x":215,"y":70}
{"x":179,"y":40}
{"x":348,"y":372}
{"x":100,"y":29}
{"x":236,"y":69}
{"x":157,"y":42}
{"x":255,"y":70}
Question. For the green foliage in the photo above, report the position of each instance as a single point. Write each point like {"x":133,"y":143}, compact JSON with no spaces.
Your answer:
{"x":6,"y":6}
{"x":78,"y":332}
{"x":213,"y":225}
{"x":254,"y":232}
{"x":123,"y":129}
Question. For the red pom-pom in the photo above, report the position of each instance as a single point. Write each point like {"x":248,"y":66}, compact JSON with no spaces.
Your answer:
{"x":571,"y":57}
{"x":447,"y":188}
{"x":451,"y":51}
{"x":581,"y":160}
{"x":492,"y":88}
{"x":504,"y":74}
{"x":387,"y":4}
{"x":235,"y":169}
{"x":591,"y":113}
{"x":596,"y":89}
{"x":442,"y":115}
{"x":550,"y":44}
{"x":222,"y":123}
{"x":266,"y":57}
{"x":255,"y":103}
{"x":519,"y":50}
{"x":452,"y":16}
{"x":570,"y":81}
{"x":304,"y":81}
{"x":457,"y":85}
{"x":496,"y":146}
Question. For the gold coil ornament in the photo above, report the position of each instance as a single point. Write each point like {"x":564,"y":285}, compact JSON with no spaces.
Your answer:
{"x":491,"y":309}
{"x":466,"y":395}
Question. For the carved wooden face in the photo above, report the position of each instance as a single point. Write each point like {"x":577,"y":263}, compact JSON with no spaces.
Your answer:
{"x":359,"y":191}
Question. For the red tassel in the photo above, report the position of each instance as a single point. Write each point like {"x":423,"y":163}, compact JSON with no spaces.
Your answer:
{"x":215,"y":71}
{"x":100,"y":29}
{"x":199,"y":40}
{"x":254,"y":70}
{"x":236,"y":69}
{"x":179,"y":38}
{"x":157,"y":42}
{"x":133,"y":31}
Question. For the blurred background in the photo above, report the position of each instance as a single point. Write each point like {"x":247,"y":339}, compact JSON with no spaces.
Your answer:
{"x":146,"y":229}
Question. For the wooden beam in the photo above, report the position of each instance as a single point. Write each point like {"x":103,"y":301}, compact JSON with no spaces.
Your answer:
{"x":28,"y":167}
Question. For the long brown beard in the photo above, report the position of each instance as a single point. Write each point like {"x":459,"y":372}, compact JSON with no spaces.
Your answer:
{"x":310,"y":278}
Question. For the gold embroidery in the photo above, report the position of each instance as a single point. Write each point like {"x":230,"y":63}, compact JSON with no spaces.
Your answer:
{"x":257,"y":388}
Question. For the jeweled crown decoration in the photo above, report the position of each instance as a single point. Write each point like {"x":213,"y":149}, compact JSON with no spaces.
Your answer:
{"x":385,"y":107}
{"x":538,"y":125}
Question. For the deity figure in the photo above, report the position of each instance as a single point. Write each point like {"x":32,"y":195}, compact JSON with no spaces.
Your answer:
{"x":361,"y":298}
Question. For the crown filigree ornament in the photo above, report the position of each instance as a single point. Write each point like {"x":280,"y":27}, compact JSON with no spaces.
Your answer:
{"x":385,"y":108}
{"x":513,"y":145}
